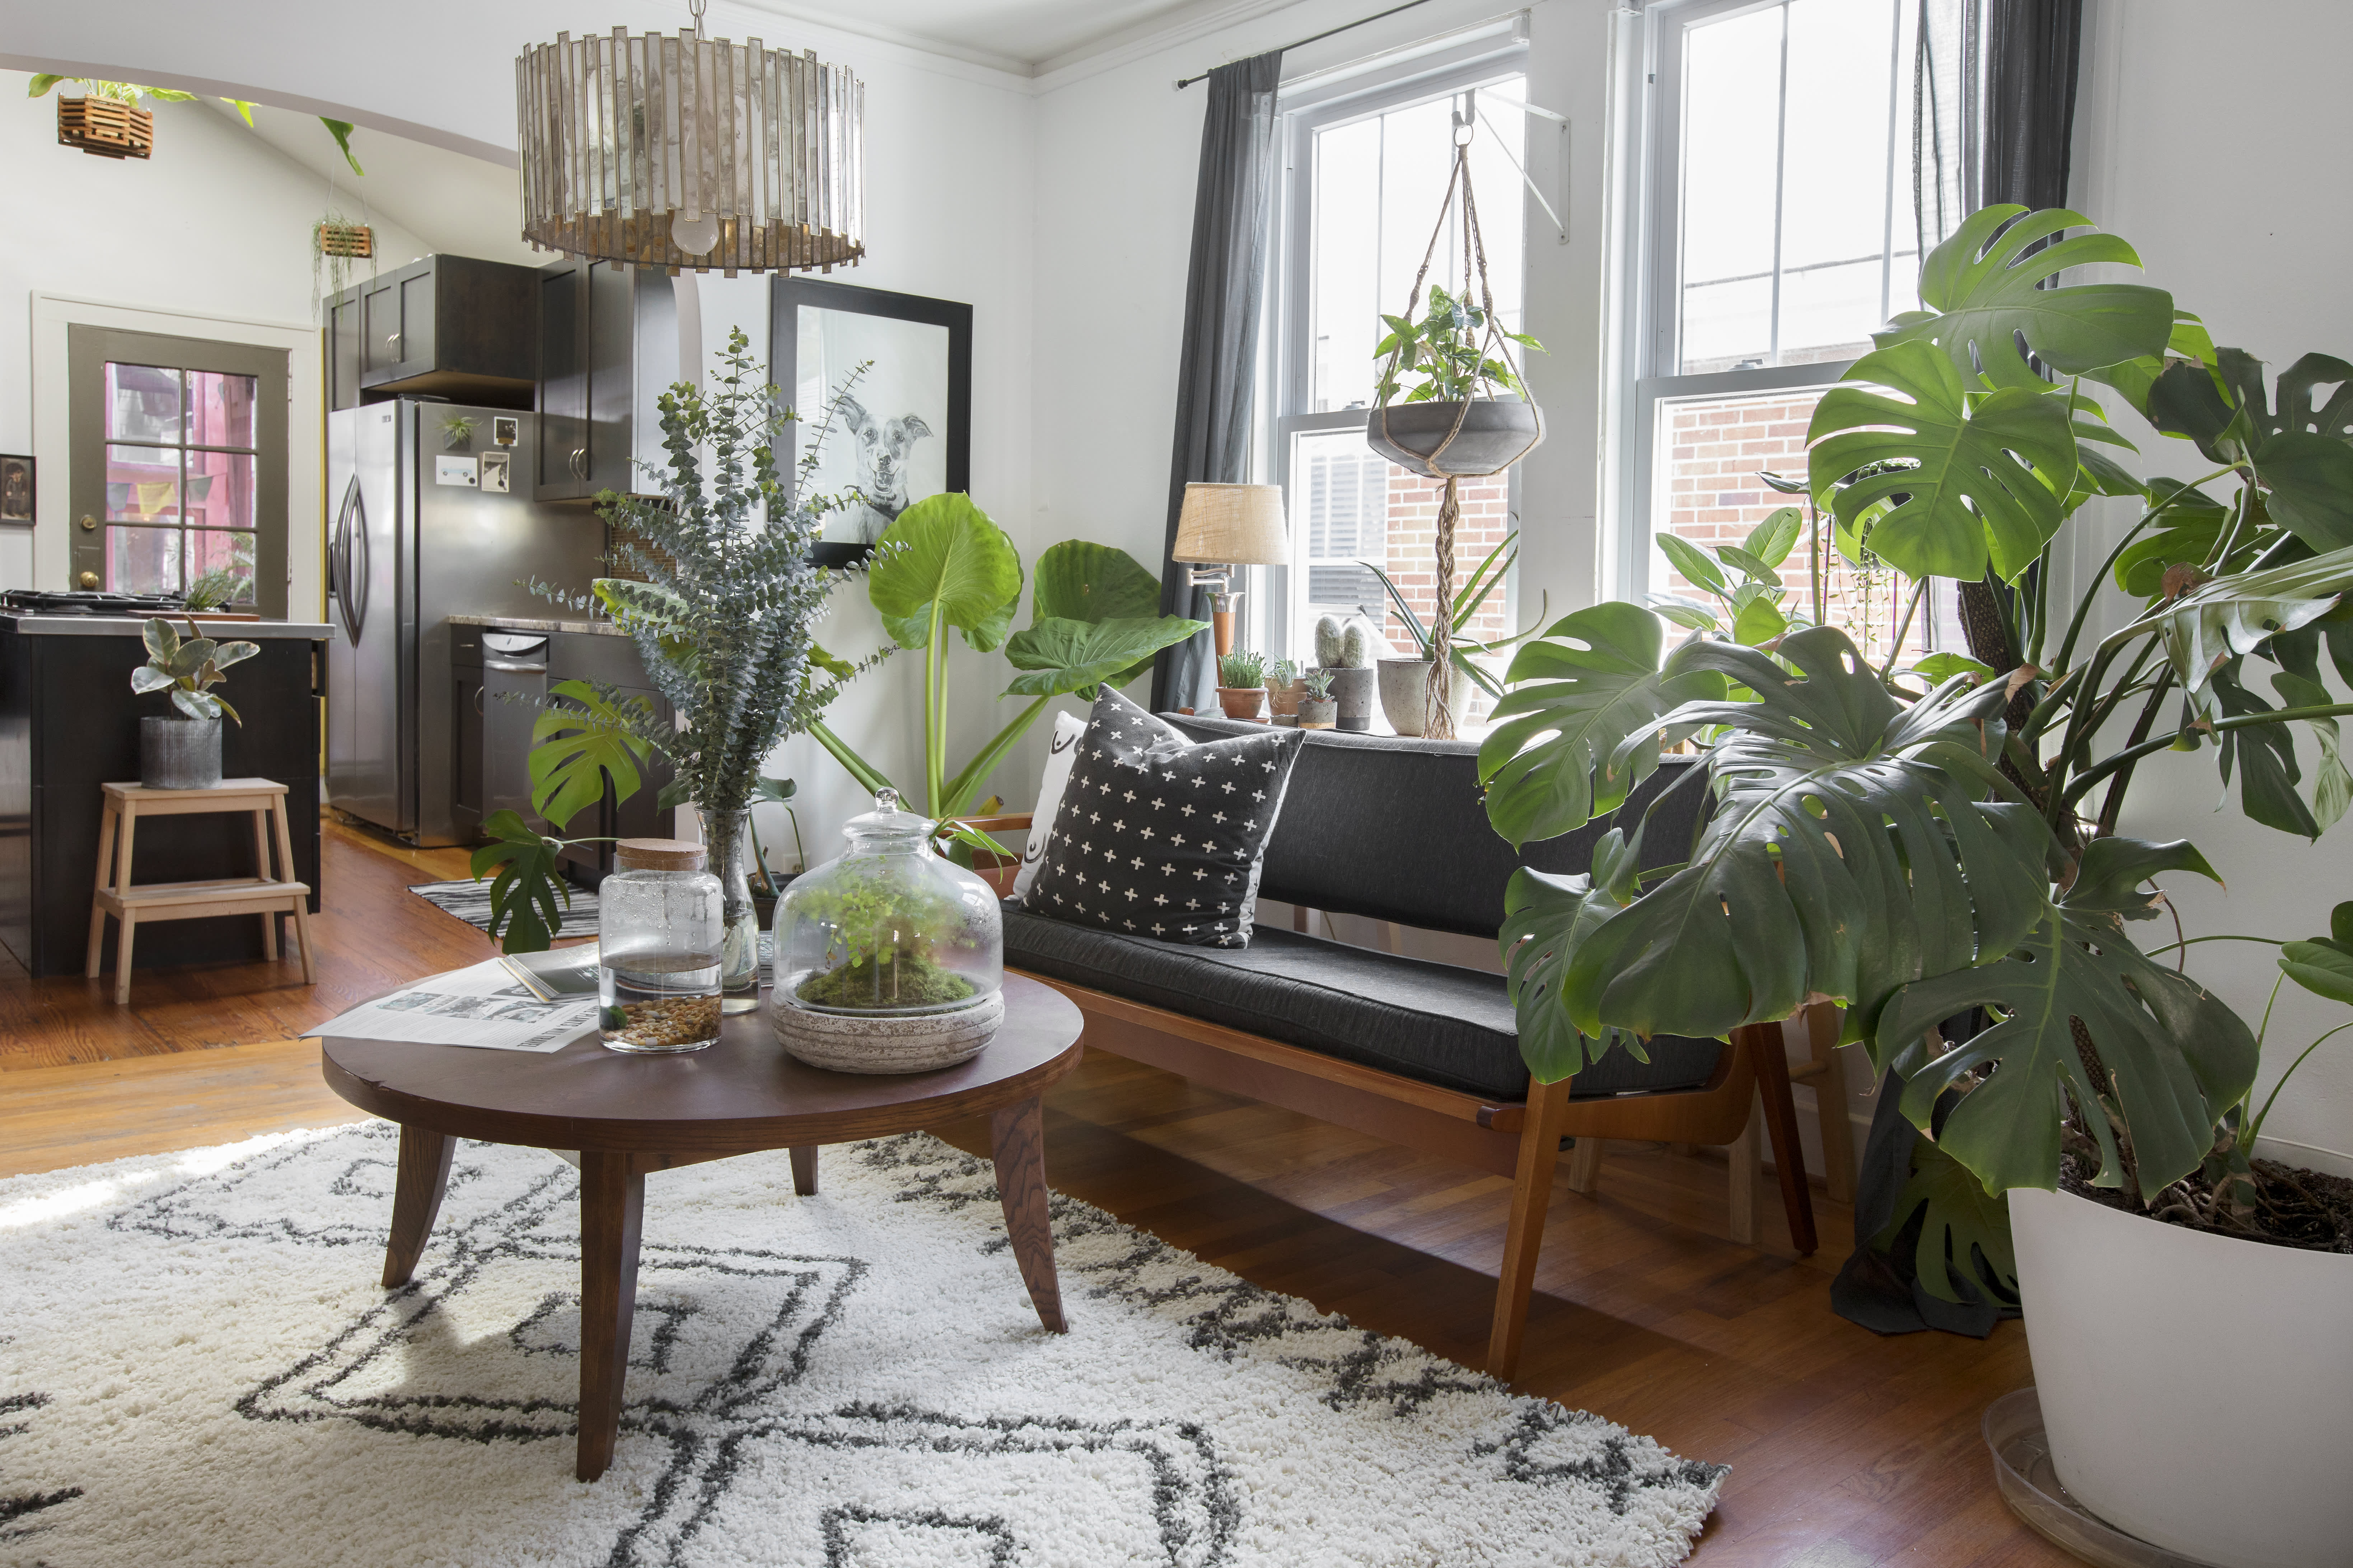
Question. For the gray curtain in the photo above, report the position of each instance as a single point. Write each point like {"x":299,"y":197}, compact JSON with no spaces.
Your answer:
{"x":1216,"y":365}
{"x":1945,"y":105}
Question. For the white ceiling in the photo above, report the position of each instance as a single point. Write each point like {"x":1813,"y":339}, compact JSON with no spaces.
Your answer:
{"x":1028,"y":36}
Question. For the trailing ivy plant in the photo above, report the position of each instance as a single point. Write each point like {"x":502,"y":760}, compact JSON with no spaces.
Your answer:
{"x":1916,"y":844}
{"x":1447,"y":351}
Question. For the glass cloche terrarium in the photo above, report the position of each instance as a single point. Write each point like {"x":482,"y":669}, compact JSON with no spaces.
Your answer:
{"x":888,"y":959}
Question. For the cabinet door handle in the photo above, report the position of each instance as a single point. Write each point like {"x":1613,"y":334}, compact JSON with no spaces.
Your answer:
{"x":477,"y":703}
{"x":390,"y":340}
{"x":505,"y":667}
{"x":579,"y":462}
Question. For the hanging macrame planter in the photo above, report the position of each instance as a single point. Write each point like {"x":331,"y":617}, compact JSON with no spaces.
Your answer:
{"x":1469,"y":437}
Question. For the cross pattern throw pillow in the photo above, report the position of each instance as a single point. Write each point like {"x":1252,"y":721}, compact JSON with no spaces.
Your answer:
{"x":1157,"y":837}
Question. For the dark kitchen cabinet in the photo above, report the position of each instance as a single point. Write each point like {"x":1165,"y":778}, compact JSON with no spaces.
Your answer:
{"x":607,"y":347}
{"x":448,"y":326}
{"x":612,"y":660}
{"x":500,"y":684}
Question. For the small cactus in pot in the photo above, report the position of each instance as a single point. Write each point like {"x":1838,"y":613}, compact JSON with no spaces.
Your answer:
{"x":1318,"y":708}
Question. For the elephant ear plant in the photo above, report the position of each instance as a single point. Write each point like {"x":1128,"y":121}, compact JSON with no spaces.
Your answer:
{"x":1917,"y":845}
{"x":942,"y":569}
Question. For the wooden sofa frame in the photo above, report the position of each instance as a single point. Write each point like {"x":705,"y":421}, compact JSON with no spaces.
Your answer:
{"x":1519,"y":1140}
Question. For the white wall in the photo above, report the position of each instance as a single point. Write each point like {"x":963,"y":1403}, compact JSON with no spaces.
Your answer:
{"x":2254,"y":246}
{"x":210,"y":237}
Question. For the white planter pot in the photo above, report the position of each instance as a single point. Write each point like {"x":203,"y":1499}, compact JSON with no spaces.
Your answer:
{"x":2197,"y":1390}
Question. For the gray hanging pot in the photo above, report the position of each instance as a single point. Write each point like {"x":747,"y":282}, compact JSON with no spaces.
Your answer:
{"x":179,"y":753}
{"x":1495,"y":434}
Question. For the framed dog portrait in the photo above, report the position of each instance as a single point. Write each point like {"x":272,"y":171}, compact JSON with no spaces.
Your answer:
{"x":16,"y":492}
{"x":903,"y":429}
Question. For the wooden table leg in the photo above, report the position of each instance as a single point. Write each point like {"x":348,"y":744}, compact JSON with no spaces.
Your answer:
{"x":612,"y":1209}
{"x":423,"y":1177}
{"x":1017,"y":1138}
{"x":106,"y":834}
{"x":805,"y":1170}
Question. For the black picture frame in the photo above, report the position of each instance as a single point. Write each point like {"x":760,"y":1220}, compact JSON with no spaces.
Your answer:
{"x":20,"y":492}
{"x":790,"y":294}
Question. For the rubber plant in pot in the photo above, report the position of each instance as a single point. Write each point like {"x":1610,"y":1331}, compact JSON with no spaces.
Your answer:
{"x":1921,"y":846}
{"x":1451,"y":424}
{"x":183,"y":752}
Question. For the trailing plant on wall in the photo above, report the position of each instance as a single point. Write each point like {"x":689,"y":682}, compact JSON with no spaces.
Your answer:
{"x":1916,"y":844}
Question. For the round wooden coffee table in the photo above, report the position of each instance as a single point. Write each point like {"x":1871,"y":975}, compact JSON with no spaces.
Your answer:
{"x":627,"y":1115}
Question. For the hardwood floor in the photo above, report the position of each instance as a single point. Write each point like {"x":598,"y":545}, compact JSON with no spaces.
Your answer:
{"x":1847,"y":1449}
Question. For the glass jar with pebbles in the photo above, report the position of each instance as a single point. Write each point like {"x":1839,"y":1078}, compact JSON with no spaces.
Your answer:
{"x":661,"y":926}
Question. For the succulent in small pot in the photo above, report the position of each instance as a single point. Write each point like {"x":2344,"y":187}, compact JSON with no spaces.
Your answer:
{"x":1240,"y":675}
{"x":184,"y":751}
{"x":1282,"y":688}
{"x":1318,"y":708}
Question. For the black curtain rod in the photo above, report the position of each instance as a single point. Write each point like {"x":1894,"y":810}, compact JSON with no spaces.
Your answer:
{"x":1184,"y":82}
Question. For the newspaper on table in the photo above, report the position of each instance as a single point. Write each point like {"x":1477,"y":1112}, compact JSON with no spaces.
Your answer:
{"x":485,"y":1005}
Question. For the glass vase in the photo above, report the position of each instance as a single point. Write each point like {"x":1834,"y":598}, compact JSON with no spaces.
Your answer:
{"x":728,"y":836}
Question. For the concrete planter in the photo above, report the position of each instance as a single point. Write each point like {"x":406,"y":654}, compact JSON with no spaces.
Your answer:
{"x":1318,"y":713}
{"x":2197,"y":1390}
{"x":1405,"y":687}
{"x":1495,"y":435}
{"x":179,"y":753}
{"x":1353,"y":690}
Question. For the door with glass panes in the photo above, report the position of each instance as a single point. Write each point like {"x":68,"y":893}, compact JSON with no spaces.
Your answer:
{"x":179,"y":466}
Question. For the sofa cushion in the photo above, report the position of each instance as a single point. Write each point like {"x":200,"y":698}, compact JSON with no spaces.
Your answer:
{"x":1433,"y":1021}
{"x":1159,"y":835}
{"x":1395,"y":829}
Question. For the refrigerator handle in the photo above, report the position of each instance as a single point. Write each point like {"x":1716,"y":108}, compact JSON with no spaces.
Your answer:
{"x":358,"y":559}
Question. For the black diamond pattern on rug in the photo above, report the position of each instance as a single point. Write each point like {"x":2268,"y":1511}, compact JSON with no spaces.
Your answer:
{"x":1157,"y":837}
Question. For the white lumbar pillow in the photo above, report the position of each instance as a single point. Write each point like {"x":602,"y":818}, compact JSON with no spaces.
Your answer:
{"x":1068,"y":729}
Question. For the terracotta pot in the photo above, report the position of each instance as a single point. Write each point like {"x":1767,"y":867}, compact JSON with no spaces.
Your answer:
{"x":1240,"y":701}
{"x":1318,"y":714}
{"x":1495,"y":434}
{"x":1282,"y":701}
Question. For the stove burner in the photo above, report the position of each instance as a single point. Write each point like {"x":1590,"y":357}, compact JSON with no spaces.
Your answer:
{"x":90,"y":602}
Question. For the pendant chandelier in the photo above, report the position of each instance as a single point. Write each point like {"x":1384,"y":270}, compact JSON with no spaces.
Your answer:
{"x":689,"y":152}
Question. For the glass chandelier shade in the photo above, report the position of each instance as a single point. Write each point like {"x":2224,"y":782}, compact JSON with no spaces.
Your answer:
{"x":635,"y":148}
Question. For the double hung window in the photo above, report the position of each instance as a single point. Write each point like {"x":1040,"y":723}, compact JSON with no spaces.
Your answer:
{"x":1367,"y":166}
{"x":1777,"y":234}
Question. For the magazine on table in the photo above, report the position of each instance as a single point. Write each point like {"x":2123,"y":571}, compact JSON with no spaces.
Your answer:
{"x":558,"y":974}
{"x":485,"y":1005}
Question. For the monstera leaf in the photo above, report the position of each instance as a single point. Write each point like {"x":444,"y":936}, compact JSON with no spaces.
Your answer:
{"x":2178,"y":1057}
{"x":1965,"y":1225}
{"x":576,"y":746}
{"x":1958,"y":485}
{"x":2300,"y":444}
{"x":524,"y":916}
{"x":1852,"y":851}
{"x":1544,"y":917}
{"x":2236,"y":614}
{"x":1979,"y":305}
{"x":1059,"y":656}
{"x":943,"y":563}
{"x":1581,"y":727}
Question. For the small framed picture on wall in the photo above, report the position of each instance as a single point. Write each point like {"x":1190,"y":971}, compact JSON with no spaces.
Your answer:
{"x":903,"y":429}
{"x":16,"y":492}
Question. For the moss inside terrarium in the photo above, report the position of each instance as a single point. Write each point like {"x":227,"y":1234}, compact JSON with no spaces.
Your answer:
{"x":897,"y":979}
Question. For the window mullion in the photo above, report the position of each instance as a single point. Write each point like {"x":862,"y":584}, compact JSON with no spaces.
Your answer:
{"x":1780,"y":158}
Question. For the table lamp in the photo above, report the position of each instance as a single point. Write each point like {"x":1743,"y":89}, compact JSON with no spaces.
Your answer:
{"x":1229,"y":527}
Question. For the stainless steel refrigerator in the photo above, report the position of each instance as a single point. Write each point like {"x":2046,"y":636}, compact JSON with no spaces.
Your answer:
{"x":420,"y":529}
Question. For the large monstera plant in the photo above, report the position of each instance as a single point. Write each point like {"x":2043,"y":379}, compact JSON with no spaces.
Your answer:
{"x":1916,"y":844}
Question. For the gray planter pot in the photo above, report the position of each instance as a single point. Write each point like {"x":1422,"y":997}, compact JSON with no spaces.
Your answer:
{"x":1495,"y":435}
{"x":1317,"y":715}
{"x":179,"y":753}
{"x":1353,"y":690}
{"x":1405,"y":687}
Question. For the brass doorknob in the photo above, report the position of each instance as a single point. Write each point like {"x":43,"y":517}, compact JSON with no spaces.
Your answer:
{"x":88,"y":522}
{"x":90,"y":579}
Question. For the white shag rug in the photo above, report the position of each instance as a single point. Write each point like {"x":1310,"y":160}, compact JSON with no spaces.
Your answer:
{"x":197,"y":1367}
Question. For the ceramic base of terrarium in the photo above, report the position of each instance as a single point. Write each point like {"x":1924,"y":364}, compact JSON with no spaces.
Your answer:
{"x":888,"y":1043}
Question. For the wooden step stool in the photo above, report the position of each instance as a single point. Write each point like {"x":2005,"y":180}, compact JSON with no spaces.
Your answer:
{"x":261,"y":895}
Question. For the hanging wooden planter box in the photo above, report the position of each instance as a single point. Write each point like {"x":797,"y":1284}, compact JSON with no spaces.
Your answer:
{"x":105,"y":126}
{"x":352,"y":239}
